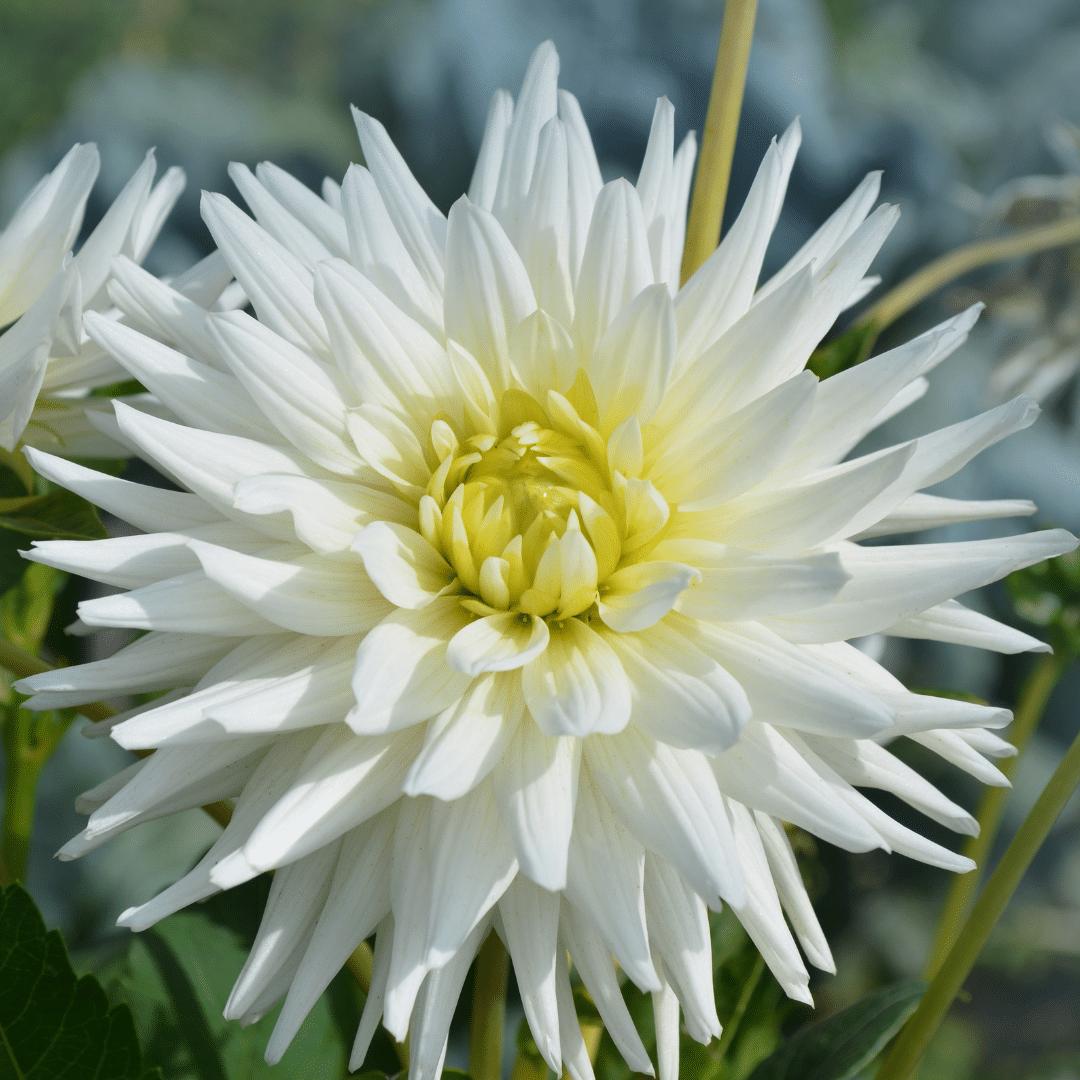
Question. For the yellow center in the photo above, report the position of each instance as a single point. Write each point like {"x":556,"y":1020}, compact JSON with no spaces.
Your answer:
{"x":532,"y":518}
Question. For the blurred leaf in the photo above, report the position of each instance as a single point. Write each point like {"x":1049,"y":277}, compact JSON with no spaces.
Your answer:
{"x":26,"y":608}
{"x":16,"y":475}
{"x":850,"y":348}
{"x":1048,"y":595}
{"x":177,"y":977}
{"x":839,"y":1047}
{"x":53,"y":1025}
{"x":57,"y":515}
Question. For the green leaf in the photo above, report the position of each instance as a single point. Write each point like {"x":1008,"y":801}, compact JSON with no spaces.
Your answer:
{"x":839,"y":1047}
{"x":57,"y":515}
{"x":850,"y":348}
{"x":1048,"y":595}
{"x":54,"y":1026}
{"x":177,"y":977}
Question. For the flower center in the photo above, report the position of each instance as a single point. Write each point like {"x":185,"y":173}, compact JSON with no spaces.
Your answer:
{"x":530,"y":514}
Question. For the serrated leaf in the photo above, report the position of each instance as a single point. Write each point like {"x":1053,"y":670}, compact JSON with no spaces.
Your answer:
{"x":177,"y":977}
{"x":54,"y":1026}
{"x":56,"y":515}
{"x":838,"y":1047}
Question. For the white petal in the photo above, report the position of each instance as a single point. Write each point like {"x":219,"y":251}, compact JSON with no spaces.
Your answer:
{"x":530,"y":918}
{"x":405,"y":568}
{"x":671,"y":801}
{"x":293,"y":391}
{"x":489,"y":158}
{"x":498,"y":643}
{"x":417,"y":220}
{"x":207,"y":463}
{"x":577,"y":685}
{"x":764,"y":771}
{"x":615,"y":266}
{"x":309,"y":593}
{"x":358,"y":899}
{"x":472,"y":864}
{"x":679,"y":931}
{"x":390,"y":447}
{"x":721,"y":290}
{"x":739,"y":585}
{"x":377,"y":250}
{"x":188,"y":604}
{"x":592,"y":961}
{"x":464,"y":742}
{"x":152,"y":662}
{"x":389,"y":358}
{"x":402,"y":675}
{"x":542,"y":355}
{"x":959,"y":625}
{"x":921,"y":512}
{"x":326,"y":514}
{"x":195,"y":392}
{"x":893,"y":583}
{"x":792,"y":892}
{"x":633,"y":359}
{"x":790,"y":686}
{"x":536,"y":784}
{"x":345,"y":780}
{"x":535,"y":106}
{"x":147,"y":508}
{"x":700,"y":469}
{"x":640,"y":595}
{"x":606,"y":882}
{"x":488,"y":291}
{"x":679,"y":694}
{"x":277,"y":283}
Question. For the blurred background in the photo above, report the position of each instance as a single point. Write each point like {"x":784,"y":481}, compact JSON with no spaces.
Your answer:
{"x":969,"y":107}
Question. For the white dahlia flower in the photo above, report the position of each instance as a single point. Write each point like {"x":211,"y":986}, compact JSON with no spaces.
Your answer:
{"x":510,"y":585}
{"x":48,"y":366}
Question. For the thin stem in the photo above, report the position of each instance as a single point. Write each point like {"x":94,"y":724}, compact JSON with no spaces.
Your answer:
{"x":1029,"y":709}
{"x":909,"y":1048}
{"x":718,"y":138}
{"x":731,"y":1028}
{"x":488,"y":1011}
{"x":964,"y":259}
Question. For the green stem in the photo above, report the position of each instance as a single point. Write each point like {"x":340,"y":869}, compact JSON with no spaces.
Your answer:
{"x":718,"y":138}
{"x":909,"y":1048}
{"x":488,"y":1011}
{"x":731,"y":1028}
{"x":24,"y":763}
{"x":964,"y":259}
{"x":1029,"y":709}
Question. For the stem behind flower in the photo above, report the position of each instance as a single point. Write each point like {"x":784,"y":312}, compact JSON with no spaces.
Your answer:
{"x":1033,"y":698}
{"x":909,"y":1048}
{"x":939,"y":272}
{"x":488,"y":1011}
{"x":718,"y":138}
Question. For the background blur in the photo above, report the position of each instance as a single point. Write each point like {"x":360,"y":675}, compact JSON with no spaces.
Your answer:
{"x":956,"y":102}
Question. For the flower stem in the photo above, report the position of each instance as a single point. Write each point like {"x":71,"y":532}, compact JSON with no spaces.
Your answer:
{"x":952,"y":265}
{"x":1029,"y":709}
{"x":909,"y":1048}
{"x":488,"y":1011}
{"x":718,"y":139}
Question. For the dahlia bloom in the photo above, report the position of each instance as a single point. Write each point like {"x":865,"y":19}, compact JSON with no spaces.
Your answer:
{"x":48,"y":366}
{"x":510,"y":586}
